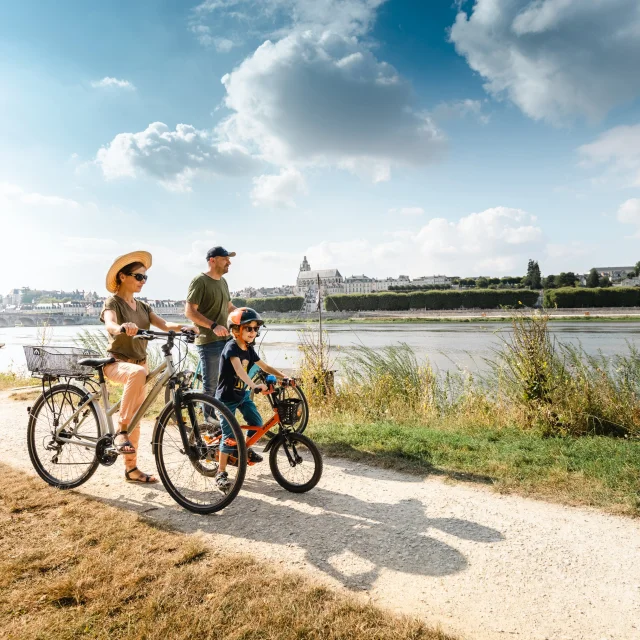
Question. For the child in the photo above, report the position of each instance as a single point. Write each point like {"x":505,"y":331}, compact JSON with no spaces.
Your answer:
{"x":236,"y":360}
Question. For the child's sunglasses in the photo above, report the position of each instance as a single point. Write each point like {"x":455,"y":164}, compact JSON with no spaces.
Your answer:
{"x":252,"y":329}
{"x":140,"y":277}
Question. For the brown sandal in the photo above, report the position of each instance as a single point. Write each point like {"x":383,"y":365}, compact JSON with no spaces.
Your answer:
{"x":145,"y":478}
{"x":120,"y":448}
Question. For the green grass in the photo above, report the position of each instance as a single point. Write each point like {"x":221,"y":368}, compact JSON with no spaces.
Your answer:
{"x":589,"y":471}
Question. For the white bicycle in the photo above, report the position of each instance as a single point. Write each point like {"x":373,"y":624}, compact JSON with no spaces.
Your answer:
{"x":70,"y":433}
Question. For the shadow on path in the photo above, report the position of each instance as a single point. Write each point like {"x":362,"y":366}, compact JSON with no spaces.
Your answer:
{"x":345,"y":537}
{"x":417,"y":469}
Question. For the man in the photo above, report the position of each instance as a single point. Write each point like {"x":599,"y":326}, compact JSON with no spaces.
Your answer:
{"x":208,"y":305}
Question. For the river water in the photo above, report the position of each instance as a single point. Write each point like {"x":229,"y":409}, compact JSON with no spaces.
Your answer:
{"x":448,"y":345}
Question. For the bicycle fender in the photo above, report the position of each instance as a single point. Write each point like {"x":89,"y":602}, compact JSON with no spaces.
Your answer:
{"x":272,"y":442}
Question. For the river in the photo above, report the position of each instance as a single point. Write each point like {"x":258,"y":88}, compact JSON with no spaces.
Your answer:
{"x":448,"y":345}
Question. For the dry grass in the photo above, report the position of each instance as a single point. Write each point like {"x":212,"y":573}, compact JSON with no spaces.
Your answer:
{"x":72,"y":567}
{"x":12,"y":380}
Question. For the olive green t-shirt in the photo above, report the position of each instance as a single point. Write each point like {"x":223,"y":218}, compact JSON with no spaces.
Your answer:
{"x":122,"y":344}
{"x":212,"y":297}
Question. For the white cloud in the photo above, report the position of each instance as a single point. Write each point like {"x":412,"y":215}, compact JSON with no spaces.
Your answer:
{"x":407,"y":211}
{"x":498,"y":241}
{"x":40,"y":231}
{"x":326,"y":99}
{"x":555,"y":59}
{"x":172,"y":157}
{"x":629,"y":213}
{"x":569,"y":251}
{"x":112,"y":83}
{"x":278,"y":190}
{"x":205,"y":38}
{"x":223,"y":45}
{"x":346,"y":17}
{"x":11,"y":193}
{"x":619,"y":150}
{"x":460,"y":109}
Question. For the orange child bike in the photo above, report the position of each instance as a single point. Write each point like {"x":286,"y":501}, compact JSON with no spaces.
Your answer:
{"x":294,"y":459}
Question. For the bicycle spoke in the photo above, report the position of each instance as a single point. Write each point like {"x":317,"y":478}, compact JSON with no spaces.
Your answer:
{"x":192,"y":482}
{"x":63,"y":463}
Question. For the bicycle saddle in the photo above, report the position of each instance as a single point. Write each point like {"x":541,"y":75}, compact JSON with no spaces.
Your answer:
{"x":96,"y":362}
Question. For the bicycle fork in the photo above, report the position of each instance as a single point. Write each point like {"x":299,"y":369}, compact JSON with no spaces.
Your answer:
{"x":191,"y":450}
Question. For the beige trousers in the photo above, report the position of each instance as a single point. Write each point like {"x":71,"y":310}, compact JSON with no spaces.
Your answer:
{"x":134,"y":377}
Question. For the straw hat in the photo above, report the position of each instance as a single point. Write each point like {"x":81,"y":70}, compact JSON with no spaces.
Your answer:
{"x":122,"y":261}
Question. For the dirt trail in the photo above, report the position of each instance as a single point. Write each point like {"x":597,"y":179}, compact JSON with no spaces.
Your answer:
{"x":481,"y":565}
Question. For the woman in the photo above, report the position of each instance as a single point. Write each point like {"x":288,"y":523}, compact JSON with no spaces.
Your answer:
{"x":123,"y":315}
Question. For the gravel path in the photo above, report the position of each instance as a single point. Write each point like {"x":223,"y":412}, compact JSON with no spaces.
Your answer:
{"x":481,"y":565}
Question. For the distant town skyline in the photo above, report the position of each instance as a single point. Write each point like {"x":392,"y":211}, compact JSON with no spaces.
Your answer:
{"x":332,"y":282}
{"x":385,"y":137}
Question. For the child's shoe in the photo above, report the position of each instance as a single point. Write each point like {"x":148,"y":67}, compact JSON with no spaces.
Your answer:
{"x":222,"y":482}
{"x":253,"y":456}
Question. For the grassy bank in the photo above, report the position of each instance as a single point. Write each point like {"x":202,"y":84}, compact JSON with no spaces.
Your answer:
{"x":73,"y":567}
{"x":597,"y":471}
{"x":545,"y":420}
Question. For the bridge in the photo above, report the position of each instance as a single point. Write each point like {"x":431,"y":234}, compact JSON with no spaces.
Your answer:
{"x":42,"y":318}
{"x":39,"y":319}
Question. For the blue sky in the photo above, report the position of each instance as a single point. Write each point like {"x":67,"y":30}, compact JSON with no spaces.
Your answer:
{"x":379,"y":136}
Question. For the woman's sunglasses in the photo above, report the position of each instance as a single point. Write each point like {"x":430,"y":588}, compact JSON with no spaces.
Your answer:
{"x":140,"y":277}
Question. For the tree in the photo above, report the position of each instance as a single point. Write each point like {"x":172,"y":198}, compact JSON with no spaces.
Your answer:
{"x":637,"y":269}
{"x":550,"y":282}
{"x":567,"y":279}
{"x":482,"y":283}
{"x":593,"y":279}
{"x":533,"y":278}
{"x":605,"y":282}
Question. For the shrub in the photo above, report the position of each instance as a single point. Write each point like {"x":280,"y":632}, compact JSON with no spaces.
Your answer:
{"x":569,"y":297}
{"x":433,"y":300}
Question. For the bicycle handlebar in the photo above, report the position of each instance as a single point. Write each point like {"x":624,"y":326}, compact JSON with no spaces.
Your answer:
{"x":147,"y":334}
{"x":270,"y":382}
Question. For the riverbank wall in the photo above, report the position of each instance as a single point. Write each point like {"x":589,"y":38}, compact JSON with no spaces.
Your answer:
{"x":459,"y":315}
{"x":417,"y":315}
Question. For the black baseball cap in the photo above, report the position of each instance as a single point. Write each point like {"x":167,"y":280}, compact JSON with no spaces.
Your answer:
{"x":219,"y":251}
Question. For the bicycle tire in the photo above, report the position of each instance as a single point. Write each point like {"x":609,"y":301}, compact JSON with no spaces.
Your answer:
{"x":43,"y":405}
{"x":284,"y":441}
{"x":161,"y":449}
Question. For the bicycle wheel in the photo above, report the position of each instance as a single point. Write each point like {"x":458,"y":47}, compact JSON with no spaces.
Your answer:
{"x":296,"y":463}
{"x":64,"y":465}
{"x":192,"y":484}
{"x":264,"y":407}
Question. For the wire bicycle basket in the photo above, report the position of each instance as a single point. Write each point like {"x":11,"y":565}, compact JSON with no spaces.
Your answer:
{"x":289,"y":411}
{"x":58,"y":362}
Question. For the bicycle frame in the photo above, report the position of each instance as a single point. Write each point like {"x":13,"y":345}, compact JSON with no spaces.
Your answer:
{"x":260,"y":431}
{"x":105,"y":416}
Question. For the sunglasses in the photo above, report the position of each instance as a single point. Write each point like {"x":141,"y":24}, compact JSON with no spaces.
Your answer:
{"x":140,"y":277}
{"x":252,"y":329}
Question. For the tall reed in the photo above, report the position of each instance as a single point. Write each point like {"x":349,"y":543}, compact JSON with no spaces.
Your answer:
{"x":533,"y":382}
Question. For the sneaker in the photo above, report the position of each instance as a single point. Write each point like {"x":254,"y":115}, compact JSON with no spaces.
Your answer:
{"x":253,"y":456}
{"x":222,"y":482}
